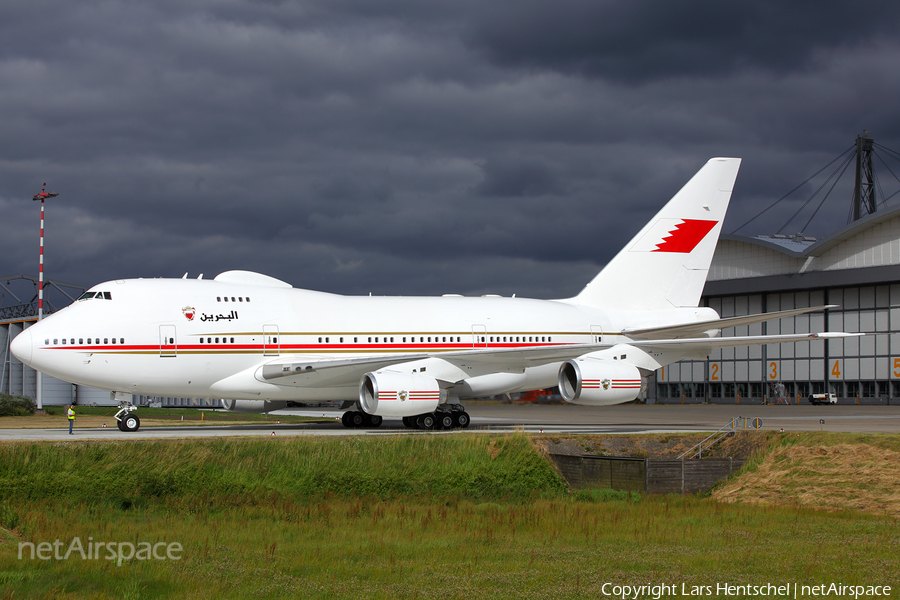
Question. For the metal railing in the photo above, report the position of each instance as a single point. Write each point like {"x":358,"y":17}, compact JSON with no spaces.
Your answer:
{"x":714,"y":438}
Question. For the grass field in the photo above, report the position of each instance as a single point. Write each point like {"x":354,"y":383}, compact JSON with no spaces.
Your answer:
{"x":473,"y":516}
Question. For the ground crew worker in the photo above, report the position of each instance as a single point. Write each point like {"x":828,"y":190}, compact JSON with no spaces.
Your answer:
{"x":71,"y":418}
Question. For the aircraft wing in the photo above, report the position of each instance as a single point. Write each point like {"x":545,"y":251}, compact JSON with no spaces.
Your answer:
{"x":295,"y":371}
{"x":735,"y":342}
{"x":694,"y":329}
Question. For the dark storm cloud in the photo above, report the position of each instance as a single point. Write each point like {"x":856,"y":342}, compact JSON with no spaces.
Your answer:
{"x":646,"y":39}
{"x":409,"y":147}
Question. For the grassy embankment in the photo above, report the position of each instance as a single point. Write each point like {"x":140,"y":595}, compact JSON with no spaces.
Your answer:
{"x":399,"y":517}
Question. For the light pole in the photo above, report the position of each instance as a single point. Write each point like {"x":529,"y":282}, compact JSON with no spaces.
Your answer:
{"x":37,"y":374}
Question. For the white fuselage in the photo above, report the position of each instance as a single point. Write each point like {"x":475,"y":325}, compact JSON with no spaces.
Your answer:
{"x":188,"y":338}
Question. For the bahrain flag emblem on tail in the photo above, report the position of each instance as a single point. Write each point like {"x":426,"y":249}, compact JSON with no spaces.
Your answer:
{"x":674,"y":235}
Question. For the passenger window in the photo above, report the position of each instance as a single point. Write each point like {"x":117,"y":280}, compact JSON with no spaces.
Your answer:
{"x":355,"y":340}
{"x":320,"y":340}
{"x":55,"y":341}
{"x":121,"y":340}
{"x":201,"y":340}
{"x":232,"y":340}
{"x":248,"y":298}
{"x":217,"y":340}
{"x":47,"y":342}
{"x":105,"y":340}
{"x":171,"y":340}
{"x":80,"y":340}
{"x":89,"y":341}
{"x":274,"y":340}
{"x":64,"y":342}
{"x":218,"y":298}
{"x":208,"y":340}
{"x":232,"y":298}
{"x":114,"y":340}
{"x":327,"y":340}
{"x":226,"y":298}
{"x":342,"y":340}
{"x":240,"y":299}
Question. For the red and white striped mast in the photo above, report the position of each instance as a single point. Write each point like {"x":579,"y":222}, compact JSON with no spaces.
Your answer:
{"x":42,"y":196}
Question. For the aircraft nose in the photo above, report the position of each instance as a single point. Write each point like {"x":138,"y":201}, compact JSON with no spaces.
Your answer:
{"x":21,"y":346}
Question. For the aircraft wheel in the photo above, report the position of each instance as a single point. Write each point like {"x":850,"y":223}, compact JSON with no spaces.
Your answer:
{"x":406,"y":422}
{"x":462,"y":420}
{"x":425,"y":421}
{"x":345,"y":420}
{"x":120,"y":425}
{"x":130,"y":423}
{"x":356,"y":419}
{"x":375,"y":420}
{"x":444,"y":421}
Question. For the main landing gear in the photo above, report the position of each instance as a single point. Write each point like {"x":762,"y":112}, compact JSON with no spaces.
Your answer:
{"x":356,"y":418}
{"x":452,"y":417}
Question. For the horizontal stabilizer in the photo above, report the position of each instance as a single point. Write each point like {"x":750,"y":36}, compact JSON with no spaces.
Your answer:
{"x":698,"y":328}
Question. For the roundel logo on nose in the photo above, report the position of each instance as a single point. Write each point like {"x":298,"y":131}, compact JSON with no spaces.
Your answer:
{"x":189,"y":312}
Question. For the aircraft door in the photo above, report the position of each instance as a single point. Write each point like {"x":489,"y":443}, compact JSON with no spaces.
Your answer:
{"x":168,"y":345}
{"x":479,"y":336}
{"x":596,"y":334}
{"x":271,"y":345}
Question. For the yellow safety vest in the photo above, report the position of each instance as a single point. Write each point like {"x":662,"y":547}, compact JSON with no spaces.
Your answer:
{"x":71,"y":415}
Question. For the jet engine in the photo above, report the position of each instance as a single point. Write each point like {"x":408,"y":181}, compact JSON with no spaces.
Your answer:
{"x":389,"y":394}
{"x":598,"y":382}
{"x":254,"y":406}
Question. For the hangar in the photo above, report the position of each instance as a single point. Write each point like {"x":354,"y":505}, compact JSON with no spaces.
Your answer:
{"x":856,"y":268}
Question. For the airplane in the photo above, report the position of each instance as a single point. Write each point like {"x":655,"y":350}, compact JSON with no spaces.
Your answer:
{"x":263,"y":345}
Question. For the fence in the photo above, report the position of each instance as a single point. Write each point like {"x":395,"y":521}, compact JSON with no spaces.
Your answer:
{"x":643,"y":474}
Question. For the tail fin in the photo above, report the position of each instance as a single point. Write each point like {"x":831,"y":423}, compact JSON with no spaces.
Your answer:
{"x":666,"y":263}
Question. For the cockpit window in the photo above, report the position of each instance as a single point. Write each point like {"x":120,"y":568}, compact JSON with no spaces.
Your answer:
{"x":96,"y":295}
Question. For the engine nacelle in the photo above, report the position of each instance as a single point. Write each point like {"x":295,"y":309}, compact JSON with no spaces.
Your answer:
{"x":389,"y":394}
{"x":598,"y":382}
{"x":254,"y":406}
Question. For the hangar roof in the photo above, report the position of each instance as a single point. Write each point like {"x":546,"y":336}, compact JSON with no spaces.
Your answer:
{"x":870,"y":242}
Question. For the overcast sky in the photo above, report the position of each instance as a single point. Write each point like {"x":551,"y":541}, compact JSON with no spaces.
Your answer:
{"x":411,"y":147}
